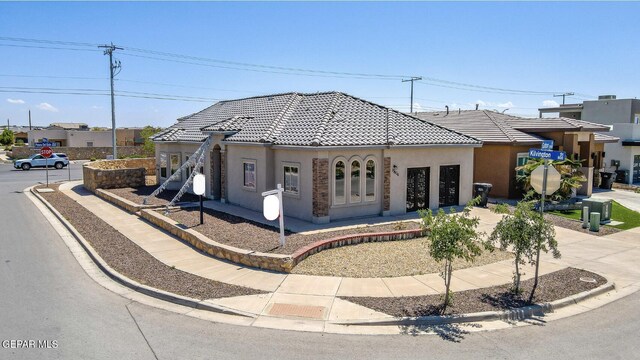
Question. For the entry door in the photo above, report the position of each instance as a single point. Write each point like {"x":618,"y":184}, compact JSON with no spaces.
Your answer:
{"x":449,"y":185}
{"x":417,"y":188}
{"x":636,"y":168}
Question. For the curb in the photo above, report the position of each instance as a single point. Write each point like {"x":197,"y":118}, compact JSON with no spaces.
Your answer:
{"x":506,"y":315}
{"x":132,"y":284}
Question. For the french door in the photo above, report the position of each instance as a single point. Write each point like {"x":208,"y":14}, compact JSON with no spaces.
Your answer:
{"x":417,"y":188}
{"x":449,"y":185}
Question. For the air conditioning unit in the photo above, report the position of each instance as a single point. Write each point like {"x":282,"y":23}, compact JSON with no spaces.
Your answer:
{"x":600,"y":206}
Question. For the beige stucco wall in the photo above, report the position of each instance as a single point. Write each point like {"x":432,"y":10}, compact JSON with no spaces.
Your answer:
{"x":432,"y":157}
{"x":81,"y":138}
{"x":269,"y":172}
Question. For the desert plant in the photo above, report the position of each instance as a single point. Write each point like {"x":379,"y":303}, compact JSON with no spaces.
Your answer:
{"x":6,"y":138}
{"x":399,"y":225}
{"x":453,"y":236}
{"x":570,"y":178}
{"x":526,"y":233}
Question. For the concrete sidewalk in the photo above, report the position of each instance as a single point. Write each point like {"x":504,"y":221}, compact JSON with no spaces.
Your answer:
{"x":303,"y":302}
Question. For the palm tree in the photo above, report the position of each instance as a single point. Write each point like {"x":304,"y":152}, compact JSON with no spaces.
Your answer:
{"x":570,"y":178}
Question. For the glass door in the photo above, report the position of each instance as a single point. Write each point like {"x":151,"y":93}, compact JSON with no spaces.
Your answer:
{"x":417,"y":188}
{"x":449,"y":185}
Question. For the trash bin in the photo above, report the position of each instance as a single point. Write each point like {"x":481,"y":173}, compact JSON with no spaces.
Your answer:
{"x":606,"y":180}
{"x":482,"y":190}
{"x":622,"y":176}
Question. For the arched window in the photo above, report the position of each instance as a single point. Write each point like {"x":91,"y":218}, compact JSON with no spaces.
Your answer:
{"x":355,"y":182}
{"x":370,"y":181}
{"x":339,"y":187}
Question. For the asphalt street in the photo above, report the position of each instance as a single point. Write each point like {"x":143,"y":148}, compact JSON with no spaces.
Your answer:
{"x":46,"y":295}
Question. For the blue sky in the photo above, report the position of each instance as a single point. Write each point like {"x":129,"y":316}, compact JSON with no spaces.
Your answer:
{"x":587,"y":48}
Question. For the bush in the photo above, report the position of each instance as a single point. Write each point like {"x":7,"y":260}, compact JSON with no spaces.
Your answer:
{"x":93,"y":158}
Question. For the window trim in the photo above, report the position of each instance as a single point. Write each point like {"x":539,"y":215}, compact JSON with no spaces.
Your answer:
{"x":334,"y":181}
{"x":255,"y":175}
{"x":284,"y":178}
{"x":170,"y":167}
{"x":166,"y":162}
{"x":520,"y":156}
{"x":375,"y":179}
{"x":351,"y":161}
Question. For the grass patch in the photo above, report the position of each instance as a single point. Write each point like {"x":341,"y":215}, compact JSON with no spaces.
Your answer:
{"x":629,"y":218}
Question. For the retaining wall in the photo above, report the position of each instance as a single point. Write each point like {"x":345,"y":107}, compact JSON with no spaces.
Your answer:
{"x":110,"y":174}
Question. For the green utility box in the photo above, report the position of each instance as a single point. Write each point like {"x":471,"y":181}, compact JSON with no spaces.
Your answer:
{"x":600,"y":206}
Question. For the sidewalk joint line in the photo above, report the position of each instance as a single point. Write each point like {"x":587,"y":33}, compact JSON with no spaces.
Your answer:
{"x":140,"y":330}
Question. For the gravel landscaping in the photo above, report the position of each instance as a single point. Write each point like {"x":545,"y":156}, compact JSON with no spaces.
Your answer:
{"x":130,"y":260}
{"x":137,"y":195}
{"x":385,"y":259}
{"x":577,"y":225}
{"x":551,"y":287}
{"x":245,"y":234}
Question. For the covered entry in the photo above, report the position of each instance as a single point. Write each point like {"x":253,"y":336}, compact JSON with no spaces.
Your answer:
{"x":417,"y":188}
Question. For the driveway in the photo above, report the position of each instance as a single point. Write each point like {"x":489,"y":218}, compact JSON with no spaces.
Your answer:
{"x":624,"y":197}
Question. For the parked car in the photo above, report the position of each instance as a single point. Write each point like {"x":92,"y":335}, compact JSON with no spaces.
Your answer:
{"x":36,"y":160}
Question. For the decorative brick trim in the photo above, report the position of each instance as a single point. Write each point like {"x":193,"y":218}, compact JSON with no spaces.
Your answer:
{"x":387,"y":184}
{"x":211,"y":171}
{"x":320,"y":194}
{"x":339,"y":241}
{"x":223,"y":175}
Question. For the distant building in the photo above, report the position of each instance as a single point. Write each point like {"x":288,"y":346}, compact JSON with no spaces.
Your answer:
{"x":68,"y":126}
{"x":19,"y":132}
{"x":623,"y":116}
{"x":86,"y":138}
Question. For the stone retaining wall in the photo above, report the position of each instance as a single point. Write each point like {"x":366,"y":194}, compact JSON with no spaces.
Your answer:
{"x":78,"y":153}
{"x":275,"y":262}
{"x":111,"y":174}
{"x":128,"y":205}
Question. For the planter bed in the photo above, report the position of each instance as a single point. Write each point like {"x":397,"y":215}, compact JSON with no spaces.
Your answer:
{"x":576,"y":225}
{"x":130,"y":260}
{"x":245,"y":234}
{"x":385,"y":259}
{"x":551,"y":287}
{"x":137,"y":195}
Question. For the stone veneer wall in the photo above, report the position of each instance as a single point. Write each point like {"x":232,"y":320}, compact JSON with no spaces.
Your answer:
{"x":387,"y":184}
{"x":110,"y":174}
{"x":276,"y":262}
{"x":320,"y":196}
{"x":78,"y":153}
{"x":223,"y":175}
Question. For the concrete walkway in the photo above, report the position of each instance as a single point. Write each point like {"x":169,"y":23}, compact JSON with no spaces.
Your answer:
{"x":626,"y":198}
{"x":304,"y":302}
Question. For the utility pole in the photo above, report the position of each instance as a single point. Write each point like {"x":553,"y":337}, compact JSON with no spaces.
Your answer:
{"x":108,"y":50}
{"x":413,"y":78}
{"x":563,"y":95}
{"x":29,"y":119}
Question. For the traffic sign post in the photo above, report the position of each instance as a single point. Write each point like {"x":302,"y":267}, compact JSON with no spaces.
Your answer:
{"x":46,"y":153}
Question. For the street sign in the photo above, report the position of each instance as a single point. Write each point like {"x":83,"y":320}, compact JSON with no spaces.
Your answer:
{"x":547,"y":145}
{"x":46,"y":152}
{"x":553,"y":179}
{"x":547,"y":154}
{"x":41,"y":144}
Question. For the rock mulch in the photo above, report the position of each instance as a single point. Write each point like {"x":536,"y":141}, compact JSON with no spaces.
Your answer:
{"x":385,"y":259}
{"x":137,"y":195}
{"x":245,"y":234}
{"x":551,"y":287}
{"x":132,"y":261}
{"x":577,"y":225}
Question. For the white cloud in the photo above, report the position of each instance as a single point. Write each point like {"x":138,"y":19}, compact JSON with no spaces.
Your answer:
{"x":47,"y":107}
{"x":507,"y":104}
{"x":550,"y":103}
{"x":481,"y":103}
{"x":15,"y":101}
{"x":96,"y":107}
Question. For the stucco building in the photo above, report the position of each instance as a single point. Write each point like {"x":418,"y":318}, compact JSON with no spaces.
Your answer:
{"x":623,"y":116}
{"x":336,"y":156}
{"x":507,"y":140}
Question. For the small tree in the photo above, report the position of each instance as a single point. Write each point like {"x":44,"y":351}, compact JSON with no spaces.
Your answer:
{"x":527,"y":233}
{"x":452,"y":237}
{"x":149,"y":147}
{"x":6,"y":138}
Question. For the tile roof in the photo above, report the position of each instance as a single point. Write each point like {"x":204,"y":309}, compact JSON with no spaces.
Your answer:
{"x":498,"y":128}
{"x":320,"y":119}
{"x":488,"y":126}
{"x":603,"y":138}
